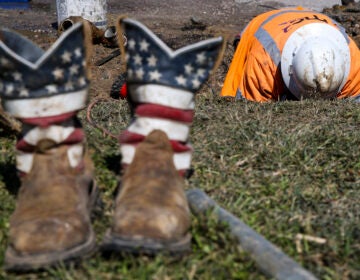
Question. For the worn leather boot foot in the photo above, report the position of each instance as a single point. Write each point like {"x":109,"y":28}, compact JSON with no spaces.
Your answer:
{"x":51,"y":223}
{"x":151,"y":213}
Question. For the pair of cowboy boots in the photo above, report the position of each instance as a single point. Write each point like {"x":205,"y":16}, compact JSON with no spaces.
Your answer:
{"x":45,"y":90}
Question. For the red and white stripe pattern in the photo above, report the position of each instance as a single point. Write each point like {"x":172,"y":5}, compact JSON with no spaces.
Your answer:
{"x":51,"y":118}
{"x":48,"y":107}
{"x":68,"y":132}
{"x":160,"y":107}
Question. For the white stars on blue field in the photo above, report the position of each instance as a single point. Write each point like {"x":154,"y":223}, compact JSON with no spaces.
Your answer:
{"x":149,"y":60}
{"x":60,"y":70}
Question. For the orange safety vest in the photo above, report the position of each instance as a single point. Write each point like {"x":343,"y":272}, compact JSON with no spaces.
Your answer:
{"x":254,"y":72}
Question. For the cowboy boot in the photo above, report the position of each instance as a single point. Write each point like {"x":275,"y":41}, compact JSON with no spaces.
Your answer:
{"x":151,"y":210}
{"x":45,"y":90}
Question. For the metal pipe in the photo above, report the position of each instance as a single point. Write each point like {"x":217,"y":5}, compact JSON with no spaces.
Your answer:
{"x":66,"y":24}
{"x":270,"y":259}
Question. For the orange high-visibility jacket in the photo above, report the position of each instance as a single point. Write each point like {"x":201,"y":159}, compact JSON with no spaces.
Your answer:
{"x":254,"y":72}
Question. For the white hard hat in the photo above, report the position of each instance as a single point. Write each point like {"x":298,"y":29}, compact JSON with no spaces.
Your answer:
{"x":315,"y":61}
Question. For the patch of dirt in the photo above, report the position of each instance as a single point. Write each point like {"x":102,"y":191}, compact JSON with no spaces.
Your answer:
{"x":349,"y":17}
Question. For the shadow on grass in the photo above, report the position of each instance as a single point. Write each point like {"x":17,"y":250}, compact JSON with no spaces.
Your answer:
{"x":113,"y":163}
{"x":8,"y":173}
{"x":7,"y":132}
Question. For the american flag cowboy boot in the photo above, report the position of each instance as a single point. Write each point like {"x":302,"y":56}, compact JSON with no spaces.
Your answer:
{"x":45,"y":90}
{"x":151,"y":212}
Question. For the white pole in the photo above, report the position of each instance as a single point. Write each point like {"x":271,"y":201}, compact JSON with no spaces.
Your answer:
{"x":92,"y":10}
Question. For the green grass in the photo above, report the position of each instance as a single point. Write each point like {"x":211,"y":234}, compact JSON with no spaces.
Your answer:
{"x":283,"y":168}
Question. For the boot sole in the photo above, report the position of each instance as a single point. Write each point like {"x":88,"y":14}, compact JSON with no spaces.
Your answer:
{"x":117,"y":244}
{"x":20,"y":263}
{"x":15,"y":262}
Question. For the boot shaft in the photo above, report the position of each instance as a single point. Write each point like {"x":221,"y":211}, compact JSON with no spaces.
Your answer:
{"x":45,"y":90}
{"x":161,"y":85}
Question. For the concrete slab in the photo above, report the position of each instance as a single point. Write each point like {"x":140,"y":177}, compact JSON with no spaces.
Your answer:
{"x":317,"y":5}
